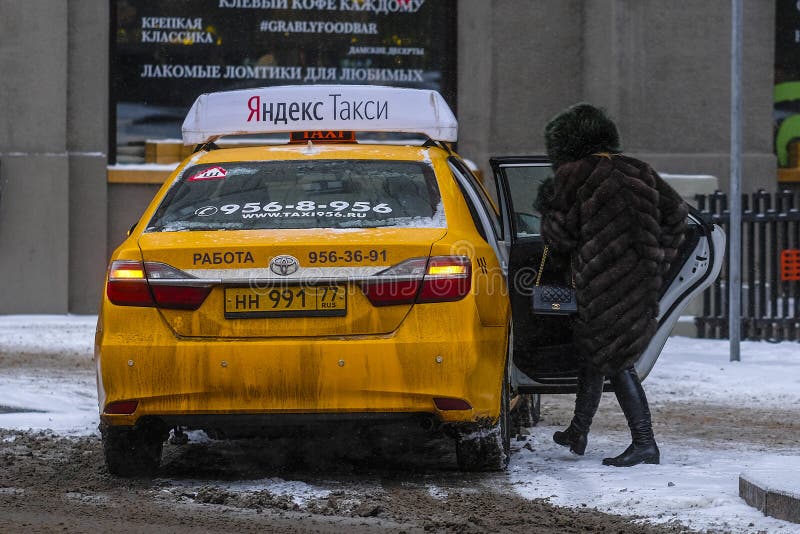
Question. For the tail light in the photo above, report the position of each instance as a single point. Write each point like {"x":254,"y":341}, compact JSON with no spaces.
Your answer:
{"x":127,"y":284}
{"x":448,"y":278}
{"x":400,"y":283}
{"x":422,"y":280}
{"x":446,"y":404}
{"x":121,"y":407}
{"x":136,"y":283}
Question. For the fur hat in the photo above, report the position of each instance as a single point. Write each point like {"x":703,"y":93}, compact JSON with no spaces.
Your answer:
{"x":579,"y":131}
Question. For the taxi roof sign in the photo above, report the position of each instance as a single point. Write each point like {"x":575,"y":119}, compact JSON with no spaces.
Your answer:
{"x":289,"y":108}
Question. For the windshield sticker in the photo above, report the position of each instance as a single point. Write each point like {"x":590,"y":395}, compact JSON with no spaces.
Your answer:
{"x":302,"y":208}
{"x":212,"y":173}
{"x":298,"y":194}
{"x":206,"y":211}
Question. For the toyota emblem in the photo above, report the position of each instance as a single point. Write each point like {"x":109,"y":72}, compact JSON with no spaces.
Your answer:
{"x":284,"y":265}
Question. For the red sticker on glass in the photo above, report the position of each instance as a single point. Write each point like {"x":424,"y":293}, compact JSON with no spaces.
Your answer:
{"x":212,"y":173}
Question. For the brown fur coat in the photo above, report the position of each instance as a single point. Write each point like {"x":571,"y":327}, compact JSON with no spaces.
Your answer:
{"x":620,"y":224}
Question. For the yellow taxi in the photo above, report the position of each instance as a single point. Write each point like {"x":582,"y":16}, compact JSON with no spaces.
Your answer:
{"x":326,"y":278}
{"x":356,"y":271}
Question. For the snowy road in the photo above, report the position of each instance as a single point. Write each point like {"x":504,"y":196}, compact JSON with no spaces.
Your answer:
{"x":713,"y":419}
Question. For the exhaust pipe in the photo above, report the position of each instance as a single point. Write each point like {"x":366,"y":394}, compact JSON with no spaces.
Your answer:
{"x":429,"y":423}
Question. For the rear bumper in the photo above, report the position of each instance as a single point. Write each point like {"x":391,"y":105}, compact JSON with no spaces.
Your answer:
{"x":181,"y":381}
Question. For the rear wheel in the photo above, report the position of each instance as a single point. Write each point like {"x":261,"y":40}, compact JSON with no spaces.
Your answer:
{"x":487,"y":448}
{"x":527,"y":411}
{"x":536,"y":409}
{"x":133,"y":451}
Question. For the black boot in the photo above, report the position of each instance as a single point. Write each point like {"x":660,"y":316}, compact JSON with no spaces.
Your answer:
{"x":632,"y":400}
{"x":587,"y":399}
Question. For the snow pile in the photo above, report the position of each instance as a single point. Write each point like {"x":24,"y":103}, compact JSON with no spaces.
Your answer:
{"x":781,"y":478}
{"x":768,"y":374}
{"x":299,"y":494}
{"x":62,"y":398}
{"x":65,"y":404}
{"x":70,"y":335}
{"x":697,"y":482}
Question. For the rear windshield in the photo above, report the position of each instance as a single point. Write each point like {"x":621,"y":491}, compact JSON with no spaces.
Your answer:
{"x":301,"y":194}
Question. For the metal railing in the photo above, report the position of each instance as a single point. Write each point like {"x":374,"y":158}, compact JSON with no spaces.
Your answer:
{"x":770,"y":302}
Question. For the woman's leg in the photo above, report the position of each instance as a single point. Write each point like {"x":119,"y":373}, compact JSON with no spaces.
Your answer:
{"x":632,"y":400}
{"x":587,"y":399}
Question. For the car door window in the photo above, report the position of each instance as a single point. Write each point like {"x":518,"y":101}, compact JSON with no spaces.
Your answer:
{"x":543,"y":349}
{"x":522,"y":181}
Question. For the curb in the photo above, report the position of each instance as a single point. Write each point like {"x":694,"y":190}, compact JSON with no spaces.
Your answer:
{"x":768,"y":497}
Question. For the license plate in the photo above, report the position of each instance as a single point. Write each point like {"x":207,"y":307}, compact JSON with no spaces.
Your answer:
{"x":290,"y":301}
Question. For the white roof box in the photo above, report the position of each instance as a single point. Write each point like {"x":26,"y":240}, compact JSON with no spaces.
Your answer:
{"x":291,"y":108}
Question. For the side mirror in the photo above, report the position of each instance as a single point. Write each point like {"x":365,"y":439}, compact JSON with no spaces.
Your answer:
{"x":130,"y":230}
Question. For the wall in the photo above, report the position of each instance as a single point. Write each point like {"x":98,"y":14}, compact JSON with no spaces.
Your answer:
{"x":53,"y":131}
{"x":662,"y":70}
{"x":87,"y":143}
{"x":126,"y":203}
{"x":34,"y":217}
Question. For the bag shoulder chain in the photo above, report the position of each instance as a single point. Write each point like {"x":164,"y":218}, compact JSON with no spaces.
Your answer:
{"x":541,"y":268}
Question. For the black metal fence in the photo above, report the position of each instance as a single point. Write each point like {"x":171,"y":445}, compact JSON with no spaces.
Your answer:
{"x":770,"y":268}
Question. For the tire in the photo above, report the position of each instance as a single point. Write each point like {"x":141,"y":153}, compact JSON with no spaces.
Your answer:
{"x":487,"y":448}
{"x":527,"y":413}
{"x":536,"y":409}
{"x":133,"y":451}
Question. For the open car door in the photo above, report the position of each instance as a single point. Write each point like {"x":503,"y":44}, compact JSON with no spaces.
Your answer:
{"x":544,"y":358}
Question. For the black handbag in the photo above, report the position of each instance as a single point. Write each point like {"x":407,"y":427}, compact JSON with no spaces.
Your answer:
{"x":553,"y":299}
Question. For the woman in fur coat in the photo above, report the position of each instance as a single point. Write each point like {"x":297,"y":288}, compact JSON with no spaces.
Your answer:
{"x":617,"y":224}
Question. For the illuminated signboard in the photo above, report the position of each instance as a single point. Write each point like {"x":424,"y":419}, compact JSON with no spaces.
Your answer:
{"x":294,"y":108}
{"x":167,"y":52}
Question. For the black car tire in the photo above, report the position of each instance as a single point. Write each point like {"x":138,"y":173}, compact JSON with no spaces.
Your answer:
{"x":132,"y":451}
{"x":487,"y":448}
{"x":536,"y":409}
{"x":527,"y":412}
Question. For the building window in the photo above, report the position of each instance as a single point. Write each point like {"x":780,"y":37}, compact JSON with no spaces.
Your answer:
{"x":167,"y":52}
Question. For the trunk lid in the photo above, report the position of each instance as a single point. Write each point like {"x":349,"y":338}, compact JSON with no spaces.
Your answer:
{"x":286,"y":283}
